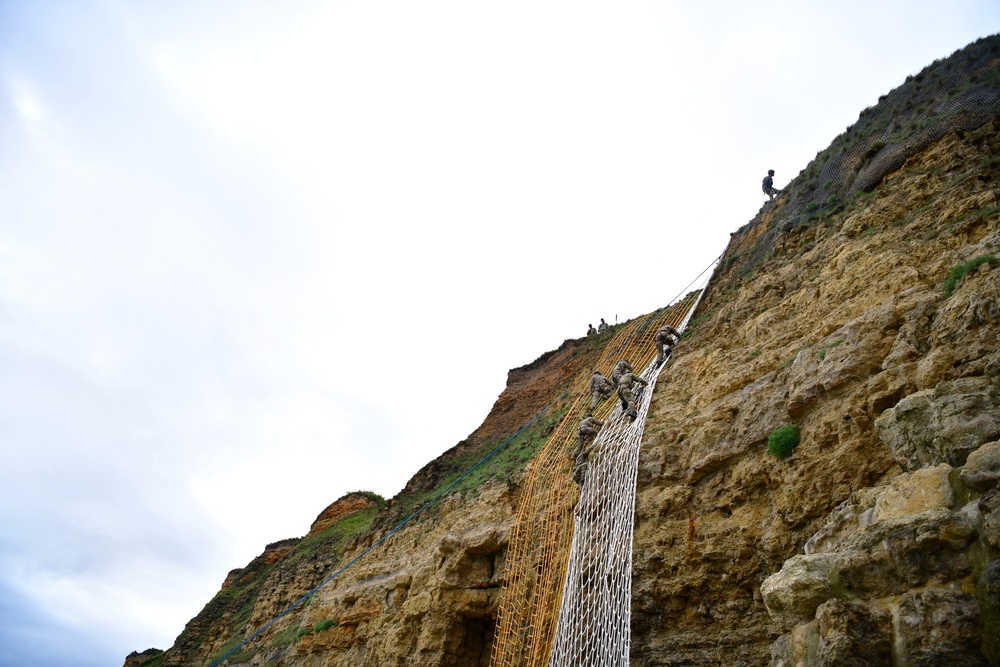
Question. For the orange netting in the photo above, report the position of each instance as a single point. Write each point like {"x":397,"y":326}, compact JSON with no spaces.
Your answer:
{"x":543,"y":532}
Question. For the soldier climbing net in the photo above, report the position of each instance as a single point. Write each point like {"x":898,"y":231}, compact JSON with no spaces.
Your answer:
{"x":567,"y":596}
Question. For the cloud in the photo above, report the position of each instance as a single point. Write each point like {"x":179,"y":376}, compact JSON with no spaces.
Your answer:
{"x":29,"y":635}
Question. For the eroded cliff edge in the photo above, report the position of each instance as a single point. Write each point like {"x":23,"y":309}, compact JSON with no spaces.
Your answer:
{"x":875,"y":542}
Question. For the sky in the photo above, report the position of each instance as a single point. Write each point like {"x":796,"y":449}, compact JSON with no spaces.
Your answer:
{"x":255,"y":255}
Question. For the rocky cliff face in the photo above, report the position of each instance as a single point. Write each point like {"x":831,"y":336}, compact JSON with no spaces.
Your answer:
{"x":874,"y":543}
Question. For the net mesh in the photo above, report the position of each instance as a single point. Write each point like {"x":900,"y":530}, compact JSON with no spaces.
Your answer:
{"x":587,"y":551}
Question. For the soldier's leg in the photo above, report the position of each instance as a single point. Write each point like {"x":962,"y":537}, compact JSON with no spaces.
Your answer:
{"x":629,"y":400}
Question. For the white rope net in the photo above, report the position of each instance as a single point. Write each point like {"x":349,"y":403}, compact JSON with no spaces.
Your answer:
{"x":593,"y":626}
{"x":567,"y":596}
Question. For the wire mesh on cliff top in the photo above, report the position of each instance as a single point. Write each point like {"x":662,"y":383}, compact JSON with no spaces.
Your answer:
{"x":538,"y":624}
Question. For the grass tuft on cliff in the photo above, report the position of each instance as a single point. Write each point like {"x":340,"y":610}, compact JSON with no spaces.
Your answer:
{"x":959,"y":271}
{"x":782,"y":441}
{"x":324,"y":624}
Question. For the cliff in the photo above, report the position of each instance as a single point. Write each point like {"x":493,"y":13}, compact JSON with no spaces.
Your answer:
{"x":862,"y":306}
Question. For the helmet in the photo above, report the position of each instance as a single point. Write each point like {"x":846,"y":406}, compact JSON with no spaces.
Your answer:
{"x":770,"y":172}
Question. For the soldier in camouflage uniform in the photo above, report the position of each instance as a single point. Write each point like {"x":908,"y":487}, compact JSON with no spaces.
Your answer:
{"x":623,"y":367}
{"x":665,"y":340}
{"x":601,"y":387}
{"x":629,"y":398}
{"x":588,"y":430}
{"x":767,"y":185}
{"x":602,"y":327}
{"x":591,"y":330}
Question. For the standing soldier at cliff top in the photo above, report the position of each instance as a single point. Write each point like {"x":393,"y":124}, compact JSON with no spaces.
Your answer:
{"x":623,"y":367}
{"x":625,"y":384}
{"x":665,"y":340}
{"x":602,"y":327}
{"x":601,"y":387}
{"x":588,"y":430}
{"x":591,"y":330}
{"x":767,"y":185}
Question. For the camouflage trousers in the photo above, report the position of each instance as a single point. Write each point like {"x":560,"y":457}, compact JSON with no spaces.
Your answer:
{"x":585,"y":437}
{"x":581,"y":455}
{"x":663,"y":352}
{"x":628,"y":398}
{"x":599,"y":396}
{"x":580,"y":465}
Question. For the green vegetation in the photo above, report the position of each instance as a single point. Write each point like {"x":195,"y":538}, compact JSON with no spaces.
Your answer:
{"x":811,"y":207}
{"x":511,"y":458}
{"x":289,"y":635}
{"x":333,"y":538}
{"x":754,"y":353}
{"x":959,"y":271}
{"x":324,"y":624}
{"x":239,"y":598}
{"x":693,"y":325}
{"x":873,"y":151}
{"x":374,"y":497}
{"x":822,"y":353}
{"x":832,"y":200}
{"x":229,"y":646}
{"x":730,"y":259}
{"x":782,"y":441}
{"x":156,"y":660}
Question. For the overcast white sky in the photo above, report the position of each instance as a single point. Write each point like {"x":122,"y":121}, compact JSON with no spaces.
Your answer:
{"x":256,"y":255}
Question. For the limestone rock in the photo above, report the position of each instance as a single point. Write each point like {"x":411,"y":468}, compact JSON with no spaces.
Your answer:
{"x":912,"y":493}
{"x":982,"y":468}
{"x":891,"y":556}
{"x":796,"y":648}
{"x":852,"y":352}
{"x":853,"y":634}
{"x":803,"y":584}
{"x":844,"y":521}
{"x":988,"y":592}
{"x":940,"y":627}
{"x":989,"y":510}
{"x":942,"y":425}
